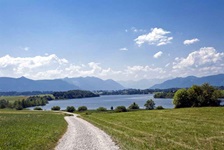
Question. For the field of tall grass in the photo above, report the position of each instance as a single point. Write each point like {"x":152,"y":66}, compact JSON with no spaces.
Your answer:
{"x":36,"y":130}
{"x":12,"y":99}
{"x":186,"y":128}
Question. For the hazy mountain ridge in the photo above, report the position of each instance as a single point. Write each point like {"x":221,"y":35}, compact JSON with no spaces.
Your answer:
{"x":215,"y":80}
{"x":93,"y":83}
{"x":141,"y":84}
{"x":25,"y":84}
{"x":88,"y":83}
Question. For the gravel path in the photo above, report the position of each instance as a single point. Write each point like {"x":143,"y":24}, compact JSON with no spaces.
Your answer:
{"x":81,"y":135}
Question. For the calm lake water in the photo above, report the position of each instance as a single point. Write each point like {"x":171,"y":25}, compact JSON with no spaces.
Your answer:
{"x":109,"y":100}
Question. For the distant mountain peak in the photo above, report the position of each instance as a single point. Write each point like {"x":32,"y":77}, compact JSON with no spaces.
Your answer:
{"x":184,"y":82}
{"x":94,"y":83}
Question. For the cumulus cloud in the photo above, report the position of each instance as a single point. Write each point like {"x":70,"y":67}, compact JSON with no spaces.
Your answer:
{"x":204,"y":56}
{"x":21,"y":66}
{"x":157,"y":36}
{"x":192,"y":41}
{"x":50,"y":67}
{"x":123,"y":49}
{"x":139,"y":72}
{"x":204,"y":61}
{"x":157,"y":55}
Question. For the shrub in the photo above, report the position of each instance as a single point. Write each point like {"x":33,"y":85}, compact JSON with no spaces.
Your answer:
{"x":37,"y":108}
{"x":3,"y":103}
{"x":55,"y":108}
{"x":159,"y":107}
{"x":149,"y":104}
{"x":19,"y":107}
{"x":133,"y":106}
{"x":101,"y":109}
{"x":70,"y":109}
{"x":120,"y":109}
{"x":82,"y":108}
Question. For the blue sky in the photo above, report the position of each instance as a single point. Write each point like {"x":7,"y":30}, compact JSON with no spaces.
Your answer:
{"x":118,"y":39}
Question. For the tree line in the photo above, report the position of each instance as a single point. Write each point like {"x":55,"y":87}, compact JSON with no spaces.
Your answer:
{"x":74,"y":94}
{"x":29,"y":102}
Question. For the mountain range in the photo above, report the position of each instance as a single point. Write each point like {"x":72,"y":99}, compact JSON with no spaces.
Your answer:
{"x":89,"y":83}
{"x":92,"y":83}
{"x":215,"y":80}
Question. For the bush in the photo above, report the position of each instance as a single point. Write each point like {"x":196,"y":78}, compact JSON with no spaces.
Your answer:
{"x":159,"y":107}
{"x":149,"y":104}
{"x":101,"y":109}
{"x":82,"y":108}
{"x":133,"y":106}
{"x":37,"y":108}
{"x":55,"y":108}
{"x":18,"y":107}
{"x":120,"y":109}
{"x":3,"y":103}
{"x":70,"y":109}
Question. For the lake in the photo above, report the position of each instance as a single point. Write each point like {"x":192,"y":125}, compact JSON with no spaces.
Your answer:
{"x":107,"y":101}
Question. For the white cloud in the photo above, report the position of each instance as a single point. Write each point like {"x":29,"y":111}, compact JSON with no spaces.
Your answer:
{"x":135,"y":30}
{"x":205,"y":61}
{"x":123,"y":49}
{"x":25,"y":48}
{"x":189,"y":42}
{"x":157,"y":36}
{"x":167,"y":65}
{"x":204,"y":56}
{"x":157,"y":55}
{"x":140,"y":72}
{"x":50,"y":67}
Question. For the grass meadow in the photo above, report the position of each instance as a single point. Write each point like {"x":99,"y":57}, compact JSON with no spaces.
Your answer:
{"x":12,"y":99}
{"x":36,"y":130}
{"x":186,"y":128}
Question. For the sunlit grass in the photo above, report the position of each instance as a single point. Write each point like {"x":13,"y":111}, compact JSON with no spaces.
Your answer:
{"x":12,"y":99}
{"x":189,"y":128}
{"x":30,"y":129}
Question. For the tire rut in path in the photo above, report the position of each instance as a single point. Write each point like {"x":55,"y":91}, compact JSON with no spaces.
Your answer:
{"x":81,"y":135}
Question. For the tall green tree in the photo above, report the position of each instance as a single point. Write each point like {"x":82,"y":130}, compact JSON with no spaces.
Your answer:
{"x":181,"y":99}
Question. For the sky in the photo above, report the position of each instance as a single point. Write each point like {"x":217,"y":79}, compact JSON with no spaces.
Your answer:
{"x":111,"y":39}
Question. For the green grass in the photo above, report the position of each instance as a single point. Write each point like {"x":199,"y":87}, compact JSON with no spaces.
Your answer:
{"x":188,"y":128}
{"x":12,"y":99}
{"x":36,"y":130}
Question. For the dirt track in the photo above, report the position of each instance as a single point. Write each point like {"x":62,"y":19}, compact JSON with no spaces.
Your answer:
{"x":81,"y":135}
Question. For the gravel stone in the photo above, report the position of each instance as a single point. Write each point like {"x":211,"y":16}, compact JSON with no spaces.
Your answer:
{"x":81,"y":135}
